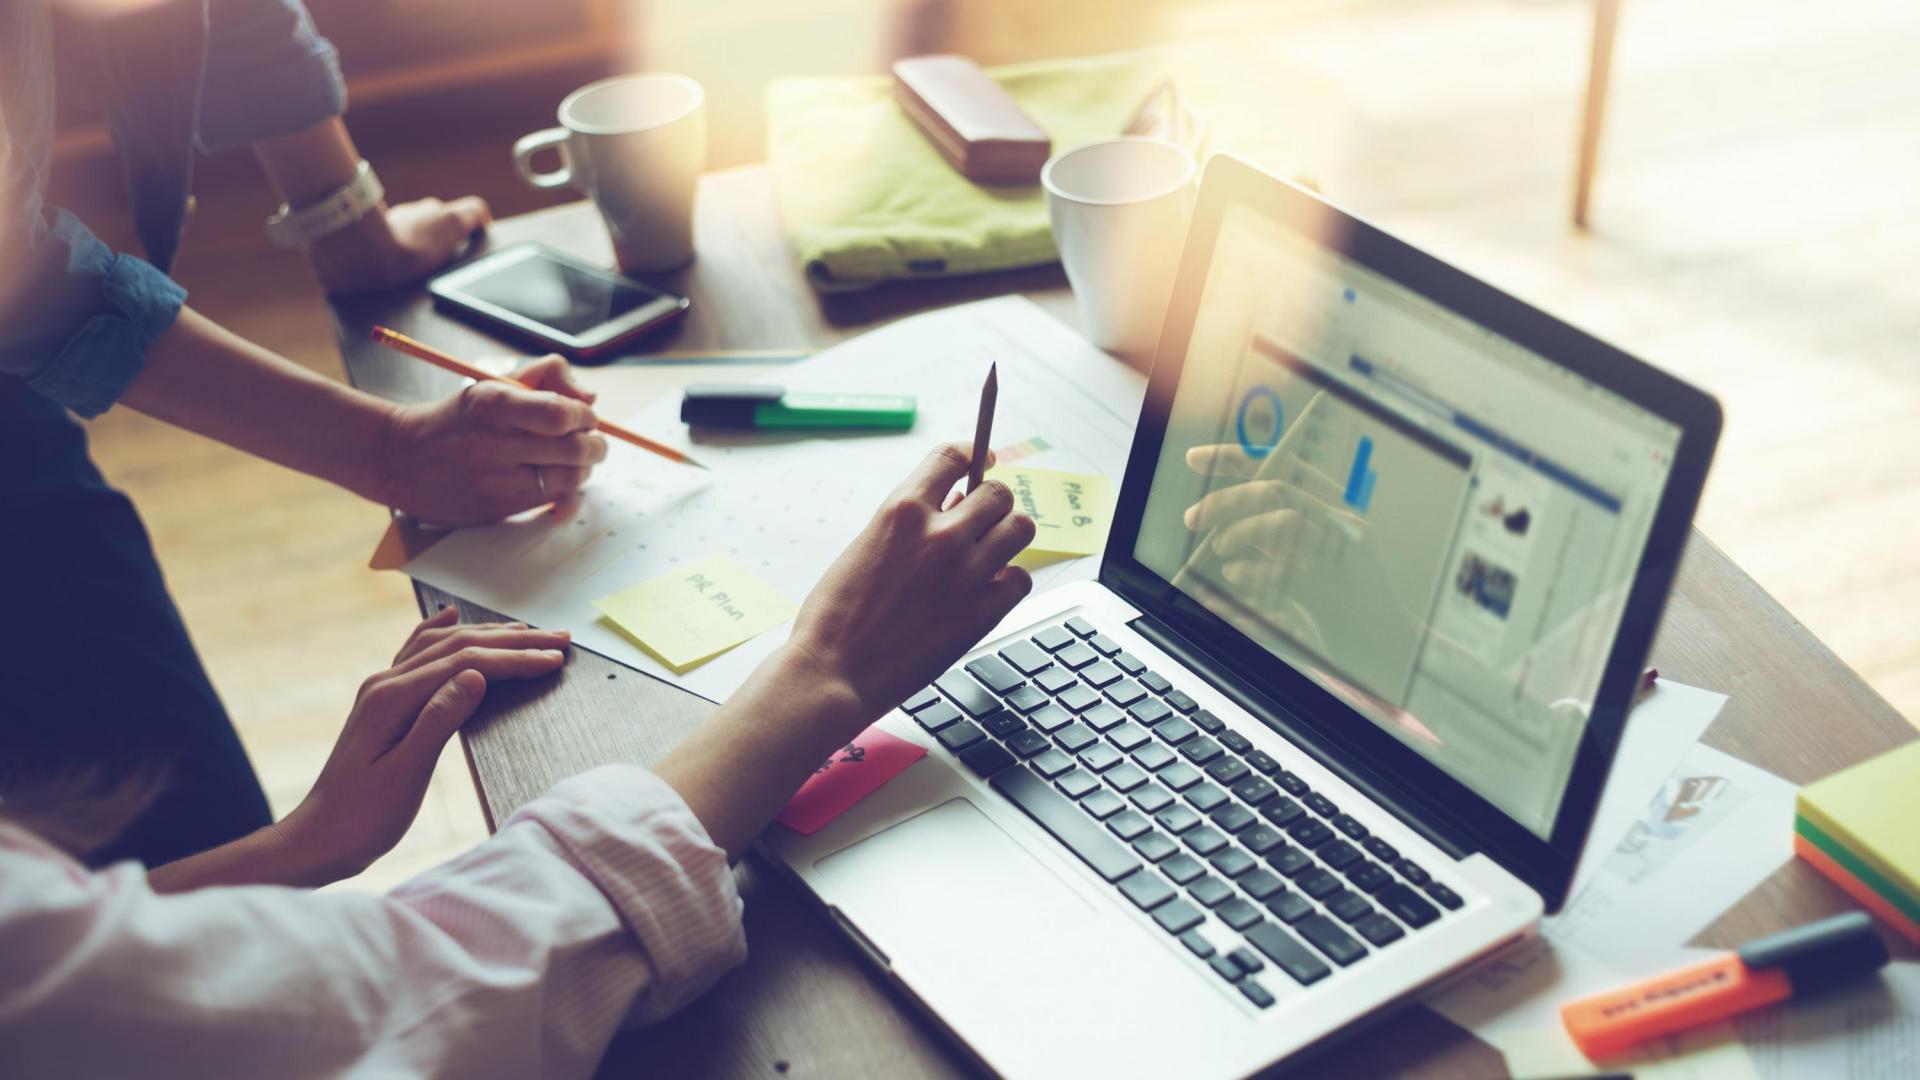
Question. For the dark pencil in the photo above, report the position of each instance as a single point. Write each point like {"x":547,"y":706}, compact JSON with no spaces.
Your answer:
{"x":983,"y":428}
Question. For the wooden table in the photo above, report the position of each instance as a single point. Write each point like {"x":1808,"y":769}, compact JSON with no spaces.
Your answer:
{"x":806,"y":1004}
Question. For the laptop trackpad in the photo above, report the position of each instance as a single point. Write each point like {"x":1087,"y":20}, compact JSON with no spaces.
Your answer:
{"x":951,"y":881}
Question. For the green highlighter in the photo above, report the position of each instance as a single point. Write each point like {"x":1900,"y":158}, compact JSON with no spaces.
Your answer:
{"x":760,"y":405}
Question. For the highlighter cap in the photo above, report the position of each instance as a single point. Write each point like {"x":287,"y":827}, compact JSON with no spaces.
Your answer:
{"x":1820,"y":954}
{"x":727,"y":404}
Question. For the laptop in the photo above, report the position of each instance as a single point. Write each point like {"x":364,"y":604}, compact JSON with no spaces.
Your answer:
{"x":1332,"y":723}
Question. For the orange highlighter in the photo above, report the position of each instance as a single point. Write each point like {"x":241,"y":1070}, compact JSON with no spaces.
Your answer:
{"x":1764,"y":971}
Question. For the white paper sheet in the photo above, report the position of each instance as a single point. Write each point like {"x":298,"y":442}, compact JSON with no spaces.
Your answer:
{"x":1870,"y":1031}
{"x":783,"y":505}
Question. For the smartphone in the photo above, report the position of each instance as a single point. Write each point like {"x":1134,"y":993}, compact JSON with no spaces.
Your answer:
{"x":565,"y":304}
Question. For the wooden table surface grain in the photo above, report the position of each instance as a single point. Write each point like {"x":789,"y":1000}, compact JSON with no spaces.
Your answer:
{"x":806,"y":1003}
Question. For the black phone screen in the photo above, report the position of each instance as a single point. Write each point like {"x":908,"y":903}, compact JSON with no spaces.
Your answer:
{"x":558,"y":295}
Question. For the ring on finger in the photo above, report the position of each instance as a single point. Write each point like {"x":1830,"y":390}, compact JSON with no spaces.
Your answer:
{"x":540,"y":478}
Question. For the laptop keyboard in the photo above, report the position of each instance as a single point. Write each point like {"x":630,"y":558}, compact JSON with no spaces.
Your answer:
{"x":1178,"y":811}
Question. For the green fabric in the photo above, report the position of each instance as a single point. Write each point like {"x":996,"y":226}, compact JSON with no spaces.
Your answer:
{"x":866,"y":198}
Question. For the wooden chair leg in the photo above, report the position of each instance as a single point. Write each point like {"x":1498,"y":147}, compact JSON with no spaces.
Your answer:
{"x":1606,"y":20}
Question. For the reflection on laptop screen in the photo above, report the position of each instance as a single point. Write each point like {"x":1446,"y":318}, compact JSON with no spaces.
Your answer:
{"x":1437,"y":525}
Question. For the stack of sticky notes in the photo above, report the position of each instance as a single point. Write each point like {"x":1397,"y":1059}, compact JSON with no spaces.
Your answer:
{"x":1071,"y":512}
{"x":1858,"y":827}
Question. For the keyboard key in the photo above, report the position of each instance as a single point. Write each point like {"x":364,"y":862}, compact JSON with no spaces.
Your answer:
{"x":1028,"y":743}
{"x":1225,"y":968}
{"x":1287,"y":953}
{"x":1155,"y":682}
{"x":1051,"y":764}
{"x":1103,"y":804}
{"x":1282,"y":812}
{"x":1182,"y":869}
{"x":1055,"y":679}
{"x":1076,"y":782}
{"x":1289,"y":907}
{"x":1231,"y":817}
{"x":1146,"y":889}
{"x":1026,"y":657}
{"x":1254,"y":992}
{"x":1382,"y":850}
{"x":1100,"y":757}
{"x":1129,"y":663}
{"x":1317,"y":883}
{"x":1053,"y":639}
{"x":1210,"y":891}
{"x":1208,"y":722}
{"x":1379,"y":929}
{"x":1235,"y":742}
{"x":1369,"y":876}
{"x":996,"y":673}
{"x":1291,"y":783}
{"x":1328,"y":936}
{"x":1253,"y":791}
{"x":1339,"y":854}
{"x":1174,"y":731}
{"x":1155,"y":846}
{"x":1239,"y":914}
{"x":1104,"y":644}
{"x":1127,"y":824}
{"x":1176,"y":819}
{"x":1128,"y":736}
{"x":1320,"y":804}
{"x":920,"y":700}
{"x":1351,"y":826}
{"x":1197,"y":944}
{"x":1125,"y":692}
{"x":1179,"y":776}
{"x":1153,"y":756}
{"x":957,"y":737}
{"x":1407,"y":906}
{"x":1150,"y":711}
{"x":936,"y":716}
{"x":1261,"y":883}
{"x":1262,"y":761}
{"x":1290,"y":860}
{"x":1205,"y":797}
{"x":1078,"y":698}
{"x":1081,"y":627}
{"x":1350,"y":906}
{"x":1050,"y":717}
{"x":1204,"y":840}
{"x":1231,"y":862}
{"x":1177,"y":916}
{"x":1412,"y":871}
{"x":1200,"y":750}
{"x":1102,"y":716}
{"x":1054,"y":813}
{"x":1076,"y":656}
{"x":986,"y":758}
{"x":1447,"y":897}
{"x":1151,"y":798}
{"x":1228,"y":771}
{"x":1126,"y":776}
{"x":1027,"y":698}
{"x":1100,"y":674}
{"x":1261,"y":839}
{"x":1002,"y":724}
{"x":1075,"y":737}
{"x":972,"y":698}
{"x":1182,"y":702}
{"x":1309,"y":833}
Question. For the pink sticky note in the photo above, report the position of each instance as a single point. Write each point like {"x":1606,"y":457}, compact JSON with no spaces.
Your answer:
{"x":854,"y":772}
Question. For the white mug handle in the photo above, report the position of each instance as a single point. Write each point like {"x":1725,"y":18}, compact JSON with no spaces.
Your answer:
{"x":530,"y":145}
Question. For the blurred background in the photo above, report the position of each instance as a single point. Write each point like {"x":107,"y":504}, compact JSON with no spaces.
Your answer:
{"x":1754,"y":227}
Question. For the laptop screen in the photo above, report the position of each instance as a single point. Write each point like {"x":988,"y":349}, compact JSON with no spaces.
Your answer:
{"x":1435,"y":524}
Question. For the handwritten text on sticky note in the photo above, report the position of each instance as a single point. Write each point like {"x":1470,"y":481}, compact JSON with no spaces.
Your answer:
{"x":1070,"y":510}
{"x":694,"y":613}
{"x":854,"y":772}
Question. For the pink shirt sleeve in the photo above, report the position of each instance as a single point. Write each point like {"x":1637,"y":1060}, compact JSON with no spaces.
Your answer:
{"x":601,"y":902}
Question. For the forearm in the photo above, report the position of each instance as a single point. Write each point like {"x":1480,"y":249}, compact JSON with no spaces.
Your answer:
{"x":740,"y":768}
{"x":264,"y":857}
{"x":206,"y":379}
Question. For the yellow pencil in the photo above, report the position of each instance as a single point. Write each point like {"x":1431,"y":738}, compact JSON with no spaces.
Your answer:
{"x":393,"y":339}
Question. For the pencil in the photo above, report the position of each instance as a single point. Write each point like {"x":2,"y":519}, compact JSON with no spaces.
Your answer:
{"x":983,"y":428}
{"x":393,"y":339}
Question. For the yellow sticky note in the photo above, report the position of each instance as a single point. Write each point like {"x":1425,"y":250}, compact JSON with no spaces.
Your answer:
{"x":695,"y":613}
{"x":1071,"y":510}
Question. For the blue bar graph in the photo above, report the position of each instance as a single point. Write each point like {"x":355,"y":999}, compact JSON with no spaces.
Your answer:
{"x":1360,"y":480}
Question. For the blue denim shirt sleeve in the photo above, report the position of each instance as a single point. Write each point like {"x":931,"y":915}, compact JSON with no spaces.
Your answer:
{"x":269,"y":72}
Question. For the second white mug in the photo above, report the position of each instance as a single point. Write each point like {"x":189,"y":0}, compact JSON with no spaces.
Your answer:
{"x":636,"y":145}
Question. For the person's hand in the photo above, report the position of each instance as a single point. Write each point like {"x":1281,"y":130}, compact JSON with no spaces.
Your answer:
{"x":372,"y":784}
{"x":397,"y":245}
{"x":1254,"y":525}
{"x":491,"y":450}
{"x":921,"y":584}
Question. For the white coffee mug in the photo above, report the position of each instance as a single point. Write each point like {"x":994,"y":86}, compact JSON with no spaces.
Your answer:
{"x":635,"y":145}
{"x":1119,"y":209}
